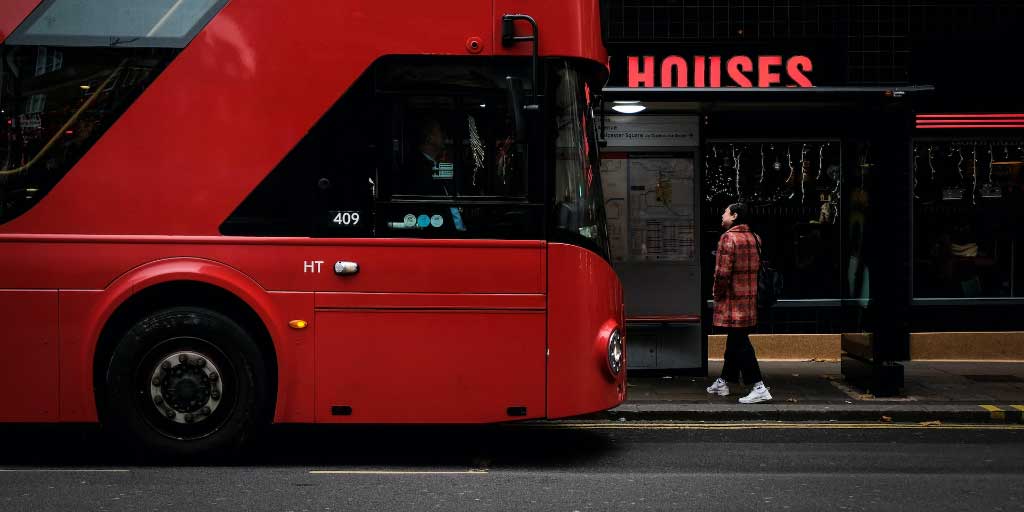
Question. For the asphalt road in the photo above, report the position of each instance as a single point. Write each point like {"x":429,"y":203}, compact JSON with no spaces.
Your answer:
{"x":570,"y":467}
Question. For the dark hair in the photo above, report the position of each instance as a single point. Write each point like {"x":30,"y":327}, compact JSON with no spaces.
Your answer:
{"x":742,"y":212}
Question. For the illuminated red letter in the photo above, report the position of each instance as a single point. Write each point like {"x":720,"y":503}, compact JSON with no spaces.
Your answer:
{"x":716,"y":71}
{"x":736,"y":66}
{"x":795,"y":67}
{"x":637,"y":77}
{"x":674,"y":67}
{"x":698,"y":71}
{"x":765,"y":76}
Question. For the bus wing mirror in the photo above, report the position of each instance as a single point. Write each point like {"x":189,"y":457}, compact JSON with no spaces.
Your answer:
{"x":516,"y":107}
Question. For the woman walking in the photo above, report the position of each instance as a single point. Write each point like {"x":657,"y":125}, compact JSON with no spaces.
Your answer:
{"x":735,"y":294}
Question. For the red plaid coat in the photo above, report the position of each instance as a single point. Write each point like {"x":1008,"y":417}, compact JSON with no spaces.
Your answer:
{"x":735,"y":288}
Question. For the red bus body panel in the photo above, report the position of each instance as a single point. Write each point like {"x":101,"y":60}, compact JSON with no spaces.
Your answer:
{"x":99,"y":273}
{"x":584,"y":294}
{"x":29,"y":368}
{"x":427,"y":331}
{"x":12,"y":12}
{"x":431,"y":366}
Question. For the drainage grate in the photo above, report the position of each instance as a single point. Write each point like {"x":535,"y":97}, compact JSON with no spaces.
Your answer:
{"x":994,"y":378}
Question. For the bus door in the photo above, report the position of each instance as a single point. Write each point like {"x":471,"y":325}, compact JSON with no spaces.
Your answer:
{"x":430,"y":303}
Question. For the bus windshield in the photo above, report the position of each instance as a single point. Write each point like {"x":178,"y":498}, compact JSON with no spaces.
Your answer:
{"x":579,"y":216}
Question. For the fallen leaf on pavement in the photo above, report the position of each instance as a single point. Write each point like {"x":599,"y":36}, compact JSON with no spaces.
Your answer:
{"x":887,"y":419}
{"x":931,"y":423}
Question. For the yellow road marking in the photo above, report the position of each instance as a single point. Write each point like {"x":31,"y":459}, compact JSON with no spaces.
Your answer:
{"x":780,"y":426}
{"x":1018,"y":407}
{"x":397,"y":472}
{"x":995,"y":412}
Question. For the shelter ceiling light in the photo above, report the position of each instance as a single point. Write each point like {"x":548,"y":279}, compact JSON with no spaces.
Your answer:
{"x":628,"y":109}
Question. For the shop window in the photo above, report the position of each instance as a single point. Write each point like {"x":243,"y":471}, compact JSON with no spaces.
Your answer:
{"x":859,"y":177}
{"x":793,"y":189}
{"x":968,"y":209}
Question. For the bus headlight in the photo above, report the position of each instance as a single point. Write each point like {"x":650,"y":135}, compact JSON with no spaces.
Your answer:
{"x":615,"y":352}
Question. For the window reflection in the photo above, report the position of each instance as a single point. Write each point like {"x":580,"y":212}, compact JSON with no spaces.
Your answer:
{"x":56,"y":103}
{"x":68,"y":72}
{"x":579,"y":202}
{"x":167,"y":23}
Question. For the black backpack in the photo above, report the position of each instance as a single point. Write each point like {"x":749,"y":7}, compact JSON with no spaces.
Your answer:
{"x":769,"y":281}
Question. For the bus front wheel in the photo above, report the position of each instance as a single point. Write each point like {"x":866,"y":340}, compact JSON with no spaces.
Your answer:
{"x":186,"y":382}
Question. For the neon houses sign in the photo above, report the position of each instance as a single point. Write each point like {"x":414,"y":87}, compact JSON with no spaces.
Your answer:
{"x":713,"y":71}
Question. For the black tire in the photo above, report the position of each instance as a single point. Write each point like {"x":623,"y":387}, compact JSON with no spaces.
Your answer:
{"x":235,"y":400}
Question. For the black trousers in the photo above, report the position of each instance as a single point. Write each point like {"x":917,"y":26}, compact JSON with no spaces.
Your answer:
{"x":740,"y":357}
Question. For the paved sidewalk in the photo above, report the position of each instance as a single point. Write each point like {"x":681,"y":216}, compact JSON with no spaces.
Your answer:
{"x":815,"y":391}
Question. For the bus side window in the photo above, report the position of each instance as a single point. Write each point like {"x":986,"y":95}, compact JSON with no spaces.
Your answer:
{"x":452,"y":167}
{"x":428,"y":164}
{"x":455,"y":147}
{"x":326,"y":185}
{"x":346,"y":181}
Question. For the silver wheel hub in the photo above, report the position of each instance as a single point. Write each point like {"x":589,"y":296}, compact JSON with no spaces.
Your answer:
{"x":186,"y":387}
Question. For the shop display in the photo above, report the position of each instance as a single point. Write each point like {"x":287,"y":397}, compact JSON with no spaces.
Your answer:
{"x":966,"y":171}
{"x":988,"y":189}
{"x":966,"y":201}
{"x":775,"y":174}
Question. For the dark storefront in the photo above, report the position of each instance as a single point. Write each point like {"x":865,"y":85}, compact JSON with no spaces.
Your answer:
{"x":879,"y":143}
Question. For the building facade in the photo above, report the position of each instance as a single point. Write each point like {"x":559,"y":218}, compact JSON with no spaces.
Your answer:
{"x":880,"y":145}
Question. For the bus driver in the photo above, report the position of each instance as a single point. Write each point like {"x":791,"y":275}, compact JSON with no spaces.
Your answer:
{"x":429,"y":171}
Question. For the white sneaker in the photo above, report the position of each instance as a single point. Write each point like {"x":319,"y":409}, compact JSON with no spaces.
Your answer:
{"x":758,"y":394}
{"x":720,"y":388}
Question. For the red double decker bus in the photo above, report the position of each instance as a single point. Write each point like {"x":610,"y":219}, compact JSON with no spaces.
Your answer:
{"x":217,"y":214}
